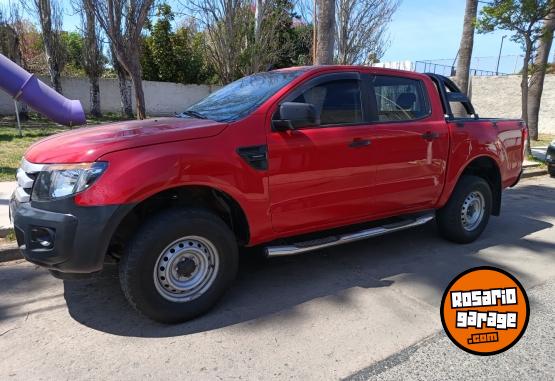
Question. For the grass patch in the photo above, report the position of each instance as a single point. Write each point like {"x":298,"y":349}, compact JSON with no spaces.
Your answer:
{"x":542,"y":164}
{"x":38,"y":119}
{"x":543,"y":140}
{"x":12,"y":147}
{"x":10,"y":237}
{"x":106,"y":117}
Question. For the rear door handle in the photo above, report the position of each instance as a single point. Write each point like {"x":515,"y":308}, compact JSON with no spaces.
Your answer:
{"x":430,"y":135}
{"x":357,"y":142}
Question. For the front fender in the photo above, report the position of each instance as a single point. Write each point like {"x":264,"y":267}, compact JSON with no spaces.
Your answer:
{"x":136,"y":174}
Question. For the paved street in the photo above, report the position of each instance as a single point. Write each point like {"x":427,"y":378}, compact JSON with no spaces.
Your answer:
{"x":437,"y":358}
{"x":364,"y":311}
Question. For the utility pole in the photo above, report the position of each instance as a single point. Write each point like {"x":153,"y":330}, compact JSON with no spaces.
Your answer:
{"x":499,"y":57}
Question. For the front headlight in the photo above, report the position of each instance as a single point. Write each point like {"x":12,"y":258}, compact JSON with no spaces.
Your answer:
{"x":63,"y":180}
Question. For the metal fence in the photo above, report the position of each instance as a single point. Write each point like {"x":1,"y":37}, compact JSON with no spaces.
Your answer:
{"x":508,"y":64}
{"x":447,"y":70}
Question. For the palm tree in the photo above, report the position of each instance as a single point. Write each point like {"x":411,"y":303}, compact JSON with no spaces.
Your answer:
{"x":535,"y":88}
{"x":325,"y":32}
{"x":466,"y":45}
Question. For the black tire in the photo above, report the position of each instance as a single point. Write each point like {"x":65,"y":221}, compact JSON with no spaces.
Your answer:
{"x":137,"y":267}
{"x":552,"y":172}
{"x":449,"y":218}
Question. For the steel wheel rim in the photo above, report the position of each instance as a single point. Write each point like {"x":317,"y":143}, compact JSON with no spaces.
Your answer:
{"x":186,"y":268}
{"x":473,"y":210}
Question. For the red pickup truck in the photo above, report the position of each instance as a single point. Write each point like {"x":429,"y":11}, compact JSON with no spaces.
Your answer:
{"x":291,"y":160}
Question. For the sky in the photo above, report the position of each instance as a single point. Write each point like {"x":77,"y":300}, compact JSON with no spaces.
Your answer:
{"x":420,"y":30}
{"x":431,"y":30}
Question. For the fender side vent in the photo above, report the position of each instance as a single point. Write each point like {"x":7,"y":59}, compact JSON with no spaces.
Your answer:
{"x":255,"y":156}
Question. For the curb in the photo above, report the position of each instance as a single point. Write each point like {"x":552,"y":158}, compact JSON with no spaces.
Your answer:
{"x":533,"y":172}
{"x":9,"y":252}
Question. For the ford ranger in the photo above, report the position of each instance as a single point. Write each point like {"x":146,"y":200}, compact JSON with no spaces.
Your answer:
{"x":290,"y":160}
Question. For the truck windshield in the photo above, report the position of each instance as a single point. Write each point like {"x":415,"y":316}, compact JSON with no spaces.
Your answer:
{"x":240,"y":98}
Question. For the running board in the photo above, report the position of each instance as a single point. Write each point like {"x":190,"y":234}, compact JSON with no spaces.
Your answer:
{"x":302,"y":247}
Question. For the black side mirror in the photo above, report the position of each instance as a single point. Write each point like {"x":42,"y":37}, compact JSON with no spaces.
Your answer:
{"x":295,"y":115}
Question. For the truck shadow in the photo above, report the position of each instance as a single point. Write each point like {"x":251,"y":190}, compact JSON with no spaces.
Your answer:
{"x":272,"y":289}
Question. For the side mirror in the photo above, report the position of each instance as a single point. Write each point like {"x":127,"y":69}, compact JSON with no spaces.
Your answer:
{"x":295,"y":115}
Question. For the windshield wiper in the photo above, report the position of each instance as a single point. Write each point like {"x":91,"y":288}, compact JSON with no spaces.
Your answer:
{"x":194,"y":114}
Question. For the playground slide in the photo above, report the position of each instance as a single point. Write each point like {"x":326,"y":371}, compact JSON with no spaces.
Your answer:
{"x":25,"y":87}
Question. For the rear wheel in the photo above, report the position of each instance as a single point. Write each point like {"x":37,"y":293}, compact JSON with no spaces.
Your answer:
{"x":178,"y":265}
{"x":467,"y":212}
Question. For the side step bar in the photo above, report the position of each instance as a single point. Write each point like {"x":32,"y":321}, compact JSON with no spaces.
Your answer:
{"x":302,"y":247}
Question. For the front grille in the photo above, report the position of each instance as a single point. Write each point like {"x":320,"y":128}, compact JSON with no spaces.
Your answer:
{"x":26,"y":176}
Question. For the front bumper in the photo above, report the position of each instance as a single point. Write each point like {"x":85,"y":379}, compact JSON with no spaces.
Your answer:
{"x":78,"y":236}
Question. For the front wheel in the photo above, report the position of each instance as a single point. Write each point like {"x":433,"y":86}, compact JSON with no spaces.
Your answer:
{"x":467,"y":212}
{"x":178,"y":265}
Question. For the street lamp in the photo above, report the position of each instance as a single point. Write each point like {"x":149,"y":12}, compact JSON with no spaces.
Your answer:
{"x":499,"y":57}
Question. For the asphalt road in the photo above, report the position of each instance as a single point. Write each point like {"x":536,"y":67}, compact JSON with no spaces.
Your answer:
{"x":436,"y":358}
{"x":363,"y":311}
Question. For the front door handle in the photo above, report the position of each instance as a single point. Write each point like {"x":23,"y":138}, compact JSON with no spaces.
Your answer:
{"x":357,"y":142}
{"x":430,"y":135}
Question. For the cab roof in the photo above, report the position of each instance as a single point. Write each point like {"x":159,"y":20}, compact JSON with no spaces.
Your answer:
{"x":360,"y":68}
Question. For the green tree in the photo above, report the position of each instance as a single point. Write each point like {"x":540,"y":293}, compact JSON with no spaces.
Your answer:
{"x":275,"y":42}
{"x":162,"y":45}
{"x":149,"y":66}
{"x":200,"y":64}
{"x":524,"y":19}
{"x":289,"y":42}
{"x":181,"y":51}
{"x":299,"y":46}
{"x":72,"y":45}
{"x":189,"y":51}
{"x":174,"y":56}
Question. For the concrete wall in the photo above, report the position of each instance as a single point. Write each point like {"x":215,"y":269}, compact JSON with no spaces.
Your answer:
{"x":500,"y":97}
{"x":491,"y":96}
{"x":161,"y":98}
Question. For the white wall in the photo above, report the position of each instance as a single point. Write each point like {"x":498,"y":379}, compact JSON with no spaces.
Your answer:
{"x":500,"y":97}
{"x":162,"y":98}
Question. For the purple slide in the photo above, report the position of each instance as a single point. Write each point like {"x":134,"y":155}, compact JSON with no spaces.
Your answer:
{"x":25,"y":87}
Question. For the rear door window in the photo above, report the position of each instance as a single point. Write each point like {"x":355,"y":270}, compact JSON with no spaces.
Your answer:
{"x":398,"y":99}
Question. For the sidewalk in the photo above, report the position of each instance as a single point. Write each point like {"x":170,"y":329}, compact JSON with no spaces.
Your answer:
{"x":6,"y":189}
{"x":539,"y":153}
